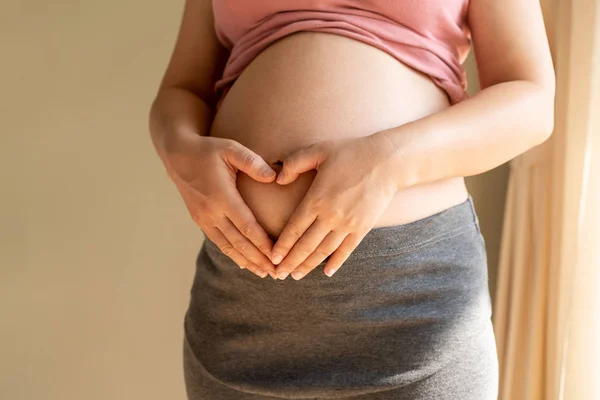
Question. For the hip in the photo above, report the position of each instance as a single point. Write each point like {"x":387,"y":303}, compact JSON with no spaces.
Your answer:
{"x":405,"y":304}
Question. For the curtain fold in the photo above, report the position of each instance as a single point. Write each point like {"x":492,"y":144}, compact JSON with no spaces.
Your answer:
{"x":547,"y":301}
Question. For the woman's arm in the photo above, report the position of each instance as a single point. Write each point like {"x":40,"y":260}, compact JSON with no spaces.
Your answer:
{"x":205,"y":168}
{"x":185,"y":100}
{"x":512,"y":113}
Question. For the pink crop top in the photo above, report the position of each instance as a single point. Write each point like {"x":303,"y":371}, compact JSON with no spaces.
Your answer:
{"x":430,"y":36}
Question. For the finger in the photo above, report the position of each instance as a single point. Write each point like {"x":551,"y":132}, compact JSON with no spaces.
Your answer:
{"x":242,"y":217}
{"x":298,"y":223}
{"x":300,"y":161}
{"x":249,"y":162}
{"x":328,"y":246}
{"x":303,"y":248}
{"x":215,"y":235}
{"x":243,"y":246}
{"x":343,"y":252}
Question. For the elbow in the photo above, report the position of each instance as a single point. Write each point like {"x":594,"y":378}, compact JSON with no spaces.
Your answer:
{"x":544,"y":100}
{"x":153,"y":116}
{"x":546,"y":124}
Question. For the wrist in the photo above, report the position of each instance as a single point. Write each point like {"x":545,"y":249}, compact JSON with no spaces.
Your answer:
{"x":395,"y":157}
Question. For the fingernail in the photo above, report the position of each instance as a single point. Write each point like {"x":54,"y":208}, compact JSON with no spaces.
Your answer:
{"x":268,"y":173}
{"x":280,"y":177}
{"x":277,"y":259}
{"x":297,"y":275}
{"x":273,"y":275}
{"x":330,"y":272}
{"x":282,"y":275}
{"x":263,"y":274}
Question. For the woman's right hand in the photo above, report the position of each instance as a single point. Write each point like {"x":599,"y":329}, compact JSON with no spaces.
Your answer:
{"x":204,"y":169}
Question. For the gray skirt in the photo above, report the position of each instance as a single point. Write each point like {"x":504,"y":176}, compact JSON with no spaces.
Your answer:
{"x":407,"y":316}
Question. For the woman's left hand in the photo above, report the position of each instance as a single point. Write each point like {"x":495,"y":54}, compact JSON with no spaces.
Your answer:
{"x":356,"y":180}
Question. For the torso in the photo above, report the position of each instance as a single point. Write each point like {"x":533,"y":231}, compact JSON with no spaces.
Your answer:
{"x":311,"y":86}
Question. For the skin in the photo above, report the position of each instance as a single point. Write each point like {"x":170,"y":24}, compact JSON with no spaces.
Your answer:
{"x":311,"y":86}
{"x":204,"y":168}
{"x":512,"y":113}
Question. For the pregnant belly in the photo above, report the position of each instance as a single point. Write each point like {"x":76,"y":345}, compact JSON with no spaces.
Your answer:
{"x":314,"y":86}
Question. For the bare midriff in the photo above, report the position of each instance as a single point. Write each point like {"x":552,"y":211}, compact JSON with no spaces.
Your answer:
{"x":312,"y":86}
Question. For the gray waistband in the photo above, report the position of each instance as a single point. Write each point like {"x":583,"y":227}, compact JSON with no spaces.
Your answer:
{"x":396,"y":239}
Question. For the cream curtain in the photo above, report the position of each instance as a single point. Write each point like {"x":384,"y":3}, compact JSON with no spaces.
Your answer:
{"x":547,"y":301}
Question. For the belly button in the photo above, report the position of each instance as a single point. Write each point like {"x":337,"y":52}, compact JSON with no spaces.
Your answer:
{"x":277,"y":165}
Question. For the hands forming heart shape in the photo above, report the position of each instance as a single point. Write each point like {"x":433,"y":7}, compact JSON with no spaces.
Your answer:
{"x":352,"y":188}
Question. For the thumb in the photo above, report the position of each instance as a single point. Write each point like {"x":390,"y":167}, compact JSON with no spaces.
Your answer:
{"x":249,"y":162}
{"x":300,"y":161}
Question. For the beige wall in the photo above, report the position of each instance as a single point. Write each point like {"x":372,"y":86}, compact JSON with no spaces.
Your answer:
{"x":97,"y":248}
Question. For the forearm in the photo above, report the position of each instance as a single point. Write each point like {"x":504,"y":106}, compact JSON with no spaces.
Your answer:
{"x":174,"y":112}
{"x":473,"y":136}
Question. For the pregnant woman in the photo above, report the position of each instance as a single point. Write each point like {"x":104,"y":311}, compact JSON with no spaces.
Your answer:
{"x":327,"y":141}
